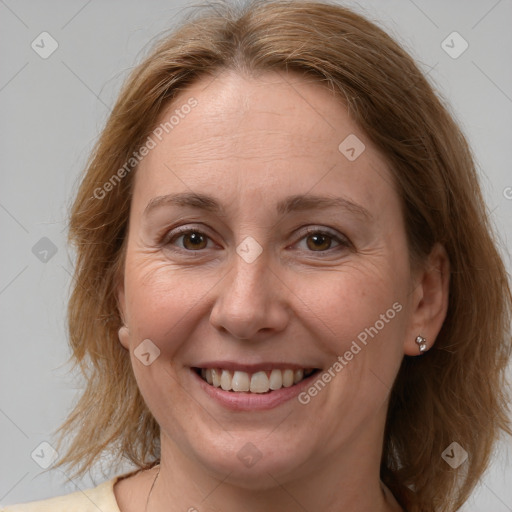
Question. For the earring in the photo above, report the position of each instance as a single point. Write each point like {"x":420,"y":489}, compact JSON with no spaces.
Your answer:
{"x":422,"y":343}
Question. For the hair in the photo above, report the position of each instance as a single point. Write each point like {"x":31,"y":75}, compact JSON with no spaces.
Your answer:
{"x":457,"y":391}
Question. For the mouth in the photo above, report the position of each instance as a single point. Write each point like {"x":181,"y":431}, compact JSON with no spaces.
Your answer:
{"x":259,"y":382}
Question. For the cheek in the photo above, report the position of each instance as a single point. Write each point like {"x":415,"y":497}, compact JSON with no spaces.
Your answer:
{"x":163,"y":302}
{"x":351,"y":303}
{"x":363,"y":318}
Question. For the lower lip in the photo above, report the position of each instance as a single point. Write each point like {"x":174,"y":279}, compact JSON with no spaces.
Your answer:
{"x":242,"y":401}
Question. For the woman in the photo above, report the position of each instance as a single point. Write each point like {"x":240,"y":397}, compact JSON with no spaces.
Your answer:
{"x":288,"y":295}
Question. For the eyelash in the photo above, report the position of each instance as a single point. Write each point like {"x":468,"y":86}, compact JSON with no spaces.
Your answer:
{"x":171,"y":237}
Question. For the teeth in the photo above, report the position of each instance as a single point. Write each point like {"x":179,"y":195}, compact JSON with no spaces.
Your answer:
{"x":240,"y":381}
{"x":258,"y":382}
{"x":276,"y":379}
{"x":215,"y":378}
{"x":287,"y":378}
{"x":225,"y":380}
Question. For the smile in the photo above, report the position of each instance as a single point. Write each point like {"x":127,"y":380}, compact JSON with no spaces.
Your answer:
{"x":257,"y":382}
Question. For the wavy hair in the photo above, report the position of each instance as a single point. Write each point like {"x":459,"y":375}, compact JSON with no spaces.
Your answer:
{"x":455,"y":392}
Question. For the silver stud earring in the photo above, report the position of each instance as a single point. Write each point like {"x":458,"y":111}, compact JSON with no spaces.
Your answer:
{"x":422,"y":343}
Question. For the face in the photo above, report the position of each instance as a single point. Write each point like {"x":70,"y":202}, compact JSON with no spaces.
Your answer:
{"x":265,"y":242}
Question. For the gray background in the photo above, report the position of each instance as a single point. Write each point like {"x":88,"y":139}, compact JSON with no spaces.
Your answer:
{"x":52,"y":110}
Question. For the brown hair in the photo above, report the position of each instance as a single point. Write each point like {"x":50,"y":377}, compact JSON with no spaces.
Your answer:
{"x":457,"y":390}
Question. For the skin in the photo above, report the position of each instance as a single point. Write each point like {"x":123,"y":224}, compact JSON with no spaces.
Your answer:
{"x":249,"y":143}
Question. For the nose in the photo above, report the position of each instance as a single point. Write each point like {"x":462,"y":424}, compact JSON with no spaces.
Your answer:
{"x":251,"y":302}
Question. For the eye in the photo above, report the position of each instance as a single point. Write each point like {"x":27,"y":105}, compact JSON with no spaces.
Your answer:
{"x":319,"y":240}
{"x":316,"y":240}
{"x":192,"y":239}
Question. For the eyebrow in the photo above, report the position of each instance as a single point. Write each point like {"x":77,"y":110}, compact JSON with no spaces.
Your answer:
{"x":299,"y":202}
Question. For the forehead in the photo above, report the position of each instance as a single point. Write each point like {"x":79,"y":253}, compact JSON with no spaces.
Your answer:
{"x":266,"y":134}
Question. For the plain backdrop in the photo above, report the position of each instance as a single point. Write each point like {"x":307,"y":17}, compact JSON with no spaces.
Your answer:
{"x":51,"y":112}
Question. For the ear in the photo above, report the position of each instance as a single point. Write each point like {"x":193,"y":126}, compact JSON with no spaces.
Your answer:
{"x":429,"y":300}
{"x":124,"y":337}
{"x":124,"y":332}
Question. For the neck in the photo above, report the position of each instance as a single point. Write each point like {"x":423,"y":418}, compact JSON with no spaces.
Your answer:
{"x":345,"y":480}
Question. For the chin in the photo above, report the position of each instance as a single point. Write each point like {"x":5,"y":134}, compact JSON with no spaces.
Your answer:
{"x":254,"y":468}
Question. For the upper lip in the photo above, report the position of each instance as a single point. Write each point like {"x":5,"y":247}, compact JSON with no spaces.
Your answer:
{"x":253,"y":368}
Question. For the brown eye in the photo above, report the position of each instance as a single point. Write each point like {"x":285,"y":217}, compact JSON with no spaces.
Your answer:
{"x":188,"y":240}
{"x":319,"y":242}
{"x":194,"y":240}
{"x":322,"y":241}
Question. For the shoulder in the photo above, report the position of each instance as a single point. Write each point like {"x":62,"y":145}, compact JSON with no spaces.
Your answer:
{"x":90,"y":500}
